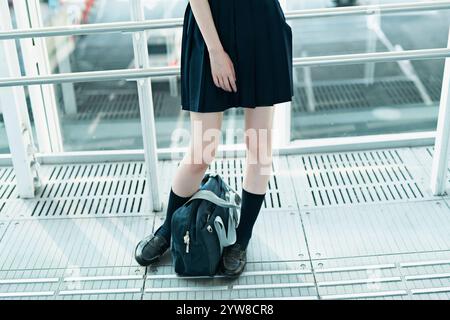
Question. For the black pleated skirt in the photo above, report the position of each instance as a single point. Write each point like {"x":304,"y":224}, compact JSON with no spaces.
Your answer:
{"x":258,"y":40}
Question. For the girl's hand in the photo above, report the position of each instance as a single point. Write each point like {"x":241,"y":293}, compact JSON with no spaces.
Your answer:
{"x":222,"y":70}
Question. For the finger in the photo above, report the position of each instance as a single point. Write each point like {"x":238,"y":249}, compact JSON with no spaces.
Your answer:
{"x":226,"y":83}
{"x":216,"y":81}
{"x":221,"y":84}
{"x":233,"y":83}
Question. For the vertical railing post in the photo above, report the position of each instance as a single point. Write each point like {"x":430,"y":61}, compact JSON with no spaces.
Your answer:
{"x":282,"y":116}
{"x":146,"y":107}
{"x":373,"y":23}
{"x":440,"y":156}
{"x":36,"y":62}
{"x":15,"y":114}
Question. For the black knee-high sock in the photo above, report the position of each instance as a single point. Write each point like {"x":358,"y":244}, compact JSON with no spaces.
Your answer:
{"x":250,"y":208}
{"x":173,"y":204}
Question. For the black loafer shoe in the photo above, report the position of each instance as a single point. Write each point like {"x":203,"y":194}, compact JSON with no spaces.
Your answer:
{"x":234,"y":260}
{"x":150,"y":249}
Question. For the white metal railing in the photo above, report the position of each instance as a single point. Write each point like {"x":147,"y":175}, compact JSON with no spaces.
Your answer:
{"x":143,"y":72}
{"x":135,"y":26}
{"x":134,"y":74}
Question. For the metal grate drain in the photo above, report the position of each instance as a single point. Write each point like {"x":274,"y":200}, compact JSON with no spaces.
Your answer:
{"x":357,"y":177}
{"x":280,"y":194}
{"x":85,"y":190}
{"x":280,"y":189}
{"x":121,"y":104}
{"x":350,"y":95}
{"x":117,"y":103}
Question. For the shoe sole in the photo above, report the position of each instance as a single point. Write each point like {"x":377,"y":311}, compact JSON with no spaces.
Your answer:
{"x":232,"y":275}
{"x":144,"y":262}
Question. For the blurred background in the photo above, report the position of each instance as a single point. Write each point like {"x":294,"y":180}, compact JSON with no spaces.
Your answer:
{"x":332,"y":101}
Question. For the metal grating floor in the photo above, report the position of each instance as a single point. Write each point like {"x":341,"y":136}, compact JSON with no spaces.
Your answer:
{"x":350,"y":225}
{"x":123,"y":102}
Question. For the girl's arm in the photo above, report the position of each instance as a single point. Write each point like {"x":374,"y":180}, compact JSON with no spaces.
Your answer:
{"x":221,"y":65}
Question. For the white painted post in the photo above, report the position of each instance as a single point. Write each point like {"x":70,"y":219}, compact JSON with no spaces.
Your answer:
{"x":64,"y":47}
{"x":373,"y":23}
{"x":146,"y":107}
{"x":309,"y":88}
{"x":282,"y":116}
{"x":440,"y":156}
{"x":35,"y":57}
{"x":15,"y":114}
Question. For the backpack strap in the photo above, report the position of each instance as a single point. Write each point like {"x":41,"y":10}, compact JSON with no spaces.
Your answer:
{"x":212,"y":197}
{"x":225,"y":238}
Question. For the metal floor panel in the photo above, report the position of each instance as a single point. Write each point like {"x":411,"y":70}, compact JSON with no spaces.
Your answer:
{"x":29,"y":284}
{"x":291,"y":279}
{"x":384,"y":237}
{"x":377,"y":229}
{"x":119,"y":283}
{"x":61,"y":243}
{"x":359,"y":177}
{"x":3,"y":226}
{"x":397,"y":276}
{"x":102,"y":284}
{"x":425,"y":157}
{"x":264,"y":246}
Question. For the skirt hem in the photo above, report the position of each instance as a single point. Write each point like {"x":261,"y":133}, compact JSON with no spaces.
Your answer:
{"x":225,"y":108}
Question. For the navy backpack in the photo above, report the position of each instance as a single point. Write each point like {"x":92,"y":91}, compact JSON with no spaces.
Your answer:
{"x":203,"y":226}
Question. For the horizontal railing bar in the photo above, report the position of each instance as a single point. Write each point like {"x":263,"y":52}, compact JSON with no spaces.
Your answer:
{"x":135,"y":74}
{"x":372,"y":57}
{"x":117,"y":27}
{"x":368,"y":9}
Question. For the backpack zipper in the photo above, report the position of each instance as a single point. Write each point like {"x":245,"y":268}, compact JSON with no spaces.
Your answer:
{"x":187,"y":239}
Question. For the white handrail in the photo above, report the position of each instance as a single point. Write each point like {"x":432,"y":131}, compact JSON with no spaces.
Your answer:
{"x":134,"y":74}
{"x":117,"y":27}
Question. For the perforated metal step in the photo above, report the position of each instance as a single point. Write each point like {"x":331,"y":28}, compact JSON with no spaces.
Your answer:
{"x":351,"y":178}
